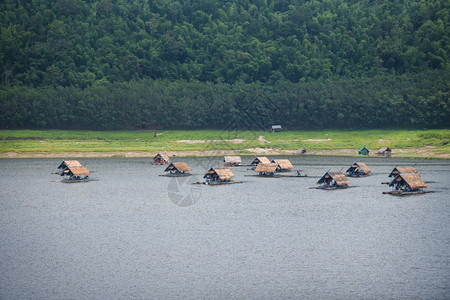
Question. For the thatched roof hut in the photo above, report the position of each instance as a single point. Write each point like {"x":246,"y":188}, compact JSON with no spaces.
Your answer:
{"x":333,"y":179}
{"x":266,"y":169}
{"x":178,"y":168}
{"x":283,"y":164}
{"x":232,"y":161}
{"x":65,"y":164}
{"x":409,"y":182}
{"x":219,"y":175}
{"x":358,"y":169}
{"x":403,"y":170}
{"x":260,"y":160}
{"x":161,"y":159}
{"x":78,"y":171}
{"x":363,"y":151}
{"x":386,"y":151}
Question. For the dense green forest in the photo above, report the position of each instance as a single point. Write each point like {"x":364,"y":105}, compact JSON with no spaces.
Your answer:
{"x":110,"y":64}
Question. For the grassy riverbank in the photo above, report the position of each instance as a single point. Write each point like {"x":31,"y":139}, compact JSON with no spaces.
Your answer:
{"x":60,"y":143}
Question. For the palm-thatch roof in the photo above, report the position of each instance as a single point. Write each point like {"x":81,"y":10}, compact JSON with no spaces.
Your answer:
{"x":223,"y":173}
{"x":414,"y":181}
{"x":161,"y":156}
{"x":384,"y":149}
{"x":284,"y":164}
{"x":234,"y":160}
{"x":338,"y":177}
{"x":360,"y":165}
{"x":266,"y":168}
{"x":403,"y":170}
{"x":260,"y":160}
{"x":178,"y":166}
{"x":79,"y":171}
{"x":69,"y":163}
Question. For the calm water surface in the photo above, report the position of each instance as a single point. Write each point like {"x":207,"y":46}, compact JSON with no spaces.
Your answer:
{"x":134,"y":234}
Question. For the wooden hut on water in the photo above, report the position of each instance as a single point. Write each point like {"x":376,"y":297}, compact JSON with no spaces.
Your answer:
{"x":76,"y":174}
{"x":232,"y":161}
{"x":403,"y":170}
{"x":284,"y":165}
{"x":407,"y":184}
{"x":161,"y":159}
{"x":65,"y":164}
{"x":363,"y":151}
{"x":178,"y":169}
{"x":333,"y":180}
{"x":260,"y":160}
{"x":266,"y":169}
{"x":219,"y":176}
{"x":384,"y":151}
{"x":358,"y":169}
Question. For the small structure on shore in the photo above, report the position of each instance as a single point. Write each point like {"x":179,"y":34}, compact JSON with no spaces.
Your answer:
{"x":266,"y":169}
{"x":178,"y":169}
{"x":284,"y":165}
{"x":384,"y":151}
{"x":76,"y":174}
{"x":65,"y":164}
{"x":275,"y":128}
{"x":232,"y":161}
{"x":161,"y":159}
{"x":363,"y":151}
{"x":260,"y":160}
{"x":333,"y":180}
{"x":403,"y":170}
{"x":407,"y":184}
{"x":218,"y":176}
{"x":358,"y":169}
{"x":301,"y":151}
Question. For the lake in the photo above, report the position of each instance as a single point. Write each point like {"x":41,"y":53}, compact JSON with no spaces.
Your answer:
{"x":135,"y":234}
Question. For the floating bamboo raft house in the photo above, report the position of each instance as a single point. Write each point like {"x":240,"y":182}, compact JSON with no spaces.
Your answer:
{"x":65,"y":164}
{"x":284,"y":165}
{"x":161,"y":159}
{"x":333,"y":180}
{"x":407,"y":184}
{"x":232,"y":161}
{"x":403,"y":170}
{"x":219,"y":176}
{"x":178,"y":169}
{"x":266,"y":169}
{"x":76,"y":174}
{"x":260,"y":160}
{"x":358,"y":169}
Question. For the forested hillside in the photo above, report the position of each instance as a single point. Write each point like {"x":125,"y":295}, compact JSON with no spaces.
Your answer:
{"x":206,"y":63}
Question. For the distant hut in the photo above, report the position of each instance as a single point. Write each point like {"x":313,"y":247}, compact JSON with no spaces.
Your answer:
{"x":178,"y":169}
{"x":76,"y":173}
{"x":161,"y":159}
{"x":363,"y":151}
{"x":65,"y":164}
{"x":404,"y":184}
{"x":266,"y":169}
{"x":333,"y":180}
{"x":301,"y":151}
{"x":260,"y":160}
{"x":218,"y":176}
{"x":232,"y":161}
{"x":403,"y":170}
{"x":384,"y":151}
{"x":283,"y":165}
{"x":358,"y":169}
{"x":275,"y":128}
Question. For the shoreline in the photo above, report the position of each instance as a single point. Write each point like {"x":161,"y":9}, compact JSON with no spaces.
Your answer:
{"x":423,"y":153}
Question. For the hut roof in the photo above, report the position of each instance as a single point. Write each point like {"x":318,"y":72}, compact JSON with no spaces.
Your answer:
{"x":232,"y":159}
{"x":162,"y":155}
{"x":179,"y":166}
{"x":79,"y":171}
{"x":266,"y":168}
{"x":284,"y":164}
{"x":339,"y":177}
{"x":384,"y":149}
{"x":413,"y":180}
{"x":69,"y":163}
{"x":403,"y":170}
{"x":261,"y":159}
{"x":362,"y":165}
{"x":223,"y":173}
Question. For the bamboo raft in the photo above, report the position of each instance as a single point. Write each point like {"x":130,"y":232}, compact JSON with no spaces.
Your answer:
{"x":331,"y":187}
{"x":176,"y":175}
{"x":217,"y":183}
{"x":404,"y":193}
